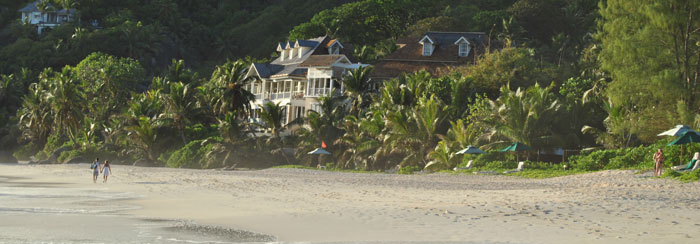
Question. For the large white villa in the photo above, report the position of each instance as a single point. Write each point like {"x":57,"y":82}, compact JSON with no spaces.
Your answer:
{"x":304,"y":71}
{"x":50,"y":17}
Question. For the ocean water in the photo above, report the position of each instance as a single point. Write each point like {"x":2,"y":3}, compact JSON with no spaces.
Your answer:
{"x":50,"y":213}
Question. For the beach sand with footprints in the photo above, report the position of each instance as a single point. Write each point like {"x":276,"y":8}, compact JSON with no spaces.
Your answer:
{"x":295,"y":205}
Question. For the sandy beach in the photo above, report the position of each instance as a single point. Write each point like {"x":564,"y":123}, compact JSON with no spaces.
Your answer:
{"x":294,"y":205}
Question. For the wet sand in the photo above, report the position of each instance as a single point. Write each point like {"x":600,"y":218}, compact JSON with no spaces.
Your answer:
{"x":296,"y":205}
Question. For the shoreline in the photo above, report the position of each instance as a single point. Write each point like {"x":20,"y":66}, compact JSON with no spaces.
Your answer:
{"x":297,"y":205}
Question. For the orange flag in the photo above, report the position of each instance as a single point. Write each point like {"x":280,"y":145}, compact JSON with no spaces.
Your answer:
{"x":323,"y":144}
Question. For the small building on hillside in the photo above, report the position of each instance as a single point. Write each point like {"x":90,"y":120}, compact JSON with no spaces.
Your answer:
{"x":48,"y":17}
{"x":435,"y":52}
{"x":304,"y":71}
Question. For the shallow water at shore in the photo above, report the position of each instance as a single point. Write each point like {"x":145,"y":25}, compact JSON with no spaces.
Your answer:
{"x":33,"y":212}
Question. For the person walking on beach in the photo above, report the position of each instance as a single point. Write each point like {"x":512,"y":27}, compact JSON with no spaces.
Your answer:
{"x":107,"y":170}
{"x":95,"y":169}
{"x":658,"y":162}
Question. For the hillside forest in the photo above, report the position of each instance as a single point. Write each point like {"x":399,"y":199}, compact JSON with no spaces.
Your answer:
{"x":162,"y":83}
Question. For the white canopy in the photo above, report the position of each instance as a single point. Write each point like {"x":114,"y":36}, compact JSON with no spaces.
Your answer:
{"x":679,"y":130}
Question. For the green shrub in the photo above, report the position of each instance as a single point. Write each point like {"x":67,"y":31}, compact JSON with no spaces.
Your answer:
{"x":24,"y":152}
{"x":186,"y":157}
{"x":409,"y":170}
{"x":637,"y":157}
{"x":199,"y":131}
{"x":492,"y":156}
{"x":670,"y":174}
{"x":689,"y":176}
{"x":192,"y":156}
{"x":495,"y":165}
{"x":67,"y":155}
{"x":52,"y":143}
{"x":594,"y":161}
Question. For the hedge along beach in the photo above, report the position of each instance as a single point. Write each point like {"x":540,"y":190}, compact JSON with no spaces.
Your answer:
{"x":297,"y":205}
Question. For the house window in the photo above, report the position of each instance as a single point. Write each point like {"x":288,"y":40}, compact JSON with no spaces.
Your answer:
{"x":427,"y":49}
{"x":464,"y":49}
{"x":316,"y":108}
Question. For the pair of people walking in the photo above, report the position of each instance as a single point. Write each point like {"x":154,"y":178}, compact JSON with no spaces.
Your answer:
{"x":98,"y":168}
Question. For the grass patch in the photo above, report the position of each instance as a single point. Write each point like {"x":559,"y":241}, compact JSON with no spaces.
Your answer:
{"x":543,"y":173}
{"x":682,"y":176}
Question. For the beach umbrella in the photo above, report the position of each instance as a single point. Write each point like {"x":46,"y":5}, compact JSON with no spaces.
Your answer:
{"x":516,"y":147}
{"x":679,"y":130}
{"x":470,"y":150}
{"x":319,"y":151}
{"x":687,"y":137}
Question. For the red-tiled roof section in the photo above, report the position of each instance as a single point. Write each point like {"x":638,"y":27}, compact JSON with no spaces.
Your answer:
{"x":320,"y":60}
{"x":330,"y":43}
{"x":409,"y":58}
{"x":385,"y":70}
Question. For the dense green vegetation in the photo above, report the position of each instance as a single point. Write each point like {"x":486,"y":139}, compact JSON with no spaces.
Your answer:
{"x":155,"y":83}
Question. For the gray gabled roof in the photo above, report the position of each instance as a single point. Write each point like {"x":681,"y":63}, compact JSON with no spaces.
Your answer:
{"x":449,"y":38}
{"x":294,"y":66}
{"x":313,"y":43}
{"x":266,"y":70}
{"x":30,"y":7}
{"x":305,"y":43}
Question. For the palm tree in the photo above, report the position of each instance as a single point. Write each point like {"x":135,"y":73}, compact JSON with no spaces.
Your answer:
{"x":67,"y":101}
{"x":357,"y":144}
{"x":272,"y":117}
{"x":365,"y":54}
{"x":182,"y":104}
{"x":231,"y":79}
{"x":35,"y":115}
{"x":357,"y":87}
{"x":414,"y":133}
{"x":323,"y":126}
{"x":144,"y":135}
{"x":525,"y":116}
{"x":178,"y":72}
{"x":68,"y":4}
{"x":232,"y":140}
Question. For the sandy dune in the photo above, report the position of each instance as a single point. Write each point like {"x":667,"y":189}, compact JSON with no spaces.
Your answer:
{"x":321,"y":206}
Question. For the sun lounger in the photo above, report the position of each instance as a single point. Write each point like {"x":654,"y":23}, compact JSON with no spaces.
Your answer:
{"x":692,"y":165}
{"x":521,"y":164}
{"x":685,"y":166}
{"x":469,"y":166}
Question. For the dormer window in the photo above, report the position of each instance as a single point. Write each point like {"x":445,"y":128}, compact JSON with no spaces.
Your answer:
{"x":334,"y":47}
{"x":463,"y":49}
{"x":464,"y":46}
{"x":301,"y":52}
{"x":428,"y":45}
{"x":282,"y":55}
{"x":427,"y":49}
